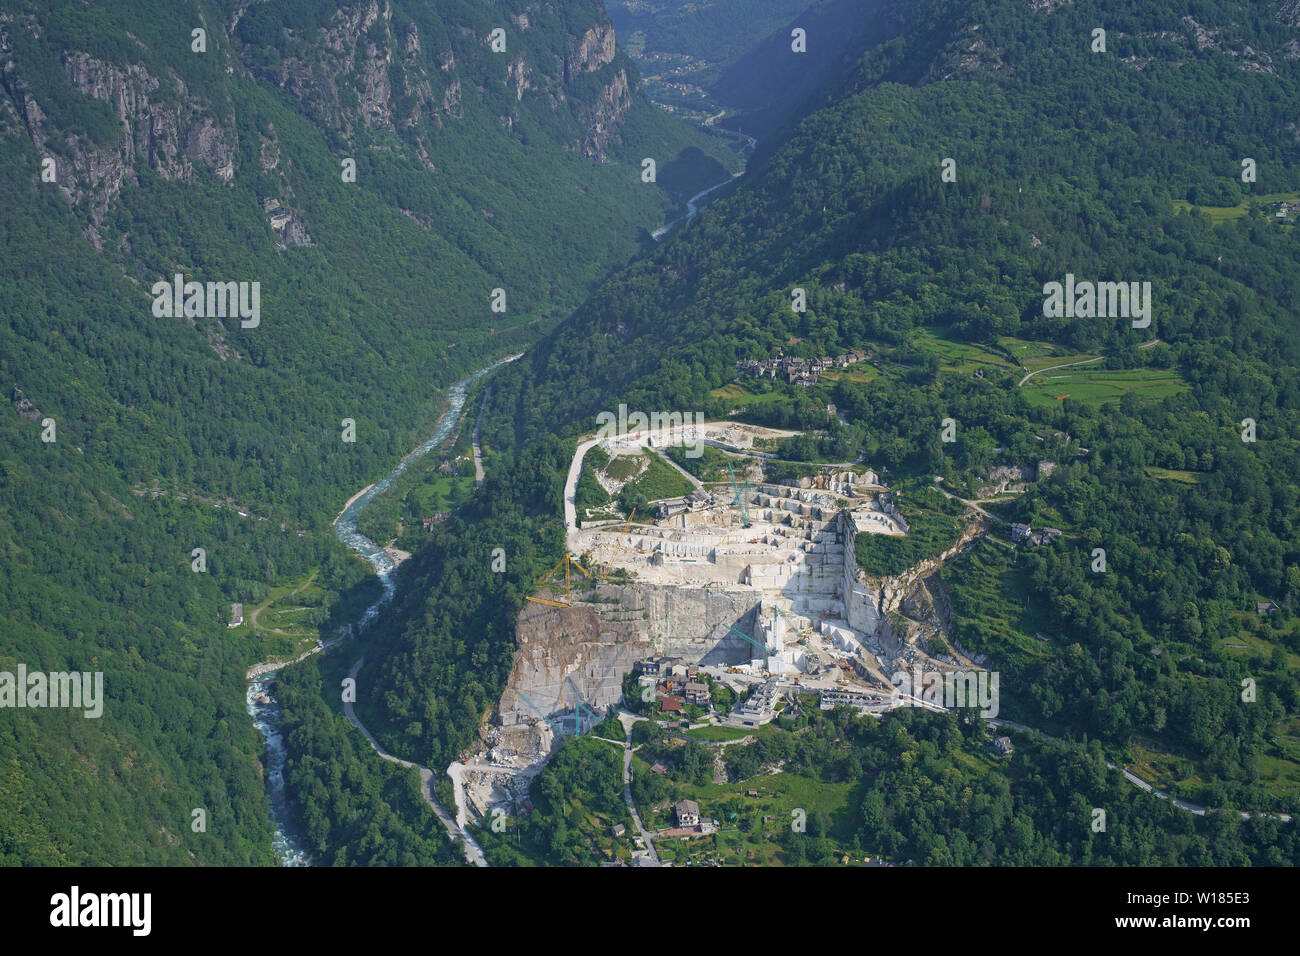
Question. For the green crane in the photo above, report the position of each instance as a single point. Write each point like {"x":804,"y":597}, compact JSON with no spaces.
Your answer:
{"x":741,"y":495}
{"x":733,"y":630}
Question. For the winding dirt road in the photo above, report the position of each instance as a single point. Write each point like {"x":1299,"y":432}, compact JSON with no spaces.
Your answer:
{"x":473,"y":852}
{"x":1053,"y":368}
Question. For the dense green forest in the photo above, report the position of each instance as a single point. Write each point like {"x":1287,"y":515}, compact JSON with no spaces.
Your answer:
{"x":354,"y":809}
{"x":171,"y":434}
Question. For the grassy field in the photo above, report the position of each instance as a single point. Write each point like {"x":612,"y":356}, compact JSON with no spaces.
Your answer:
{"x":956,"y":355}
{"x":714,"y":733}
{"x":441,"y":492}
{"x":1278,"y":765}
{"x":1025,"y":349}
{"x":1098,"y":386}
{"x":624,"y":466}
{"x":710,"y":466}
{"x":1222,"y":214}
{"x":1169,"y":474}
{"x":661,"y":480}
{"x":749,"y":839}
{"x":851,"y":374}
{"x":287,"y":610}
{"x":1249,"y":633}
{"x":1035,"y":355}
{"x":285,"y":621}
{"x":1167,"y":770}
{"x":741,"y":397}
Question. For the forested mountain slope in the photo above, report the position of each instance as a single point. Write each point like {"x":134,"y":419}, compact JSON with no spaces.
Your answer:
{"x":378,"y":169}
{"x":1124,"y":165}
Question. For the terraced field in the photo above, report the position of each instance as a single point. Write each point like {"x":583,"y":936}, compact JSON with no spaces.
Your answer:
{"x":1098,"y":386}
{"x":958,"y":356}
{"x":1222,"y":214}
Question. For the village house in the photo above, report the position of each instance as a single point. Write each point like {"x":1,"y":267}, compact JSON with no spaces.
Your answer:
{"x":697,"y":693}
{"x":794,"y":370}
{"x":688,"y":813}
{"x":670,"y":705}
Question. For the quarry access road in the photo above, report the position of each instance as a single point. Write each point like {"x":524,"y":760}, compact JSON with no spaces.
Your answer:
{"x":478,"y":449}
{"x":968,"y":503}
{"x":654,"y":437}
{"x":473,"y":852}
{"x":627,"y":791}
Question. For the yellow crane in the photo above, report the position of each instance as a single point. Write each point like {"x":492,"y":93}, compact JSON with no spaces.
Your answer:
{"x":568,"y":563}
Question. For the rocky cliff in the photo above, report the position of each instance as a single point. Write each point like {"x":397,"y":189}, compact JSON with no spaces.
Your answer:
{"x":364,"y":73}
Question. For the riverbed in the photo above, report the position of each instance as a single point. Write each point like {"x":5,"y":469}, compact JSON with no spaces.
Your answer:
{"x":259,"y":698}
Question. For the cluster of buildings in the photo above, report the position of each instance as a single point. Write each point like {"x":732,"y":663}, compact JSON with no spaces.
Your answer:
{"x":1022,"y":532}
{"x":760,"y":706}
{"x":675,"y":506}
{"x":796,"y":371}
{"x":437,"y":518}
{"x":675,"y":684}
{"x":830,"y":699}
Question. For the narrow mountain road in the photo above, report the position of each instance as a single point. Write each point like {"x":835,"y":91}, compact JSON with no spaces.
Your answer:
{"x":1134,"y":778}
{"x":1053,"y":368}
{"x":969,"y":502}
{"x":256,"y":612}
{"x":473,"y":852}
{"x":478,"y":450}
{"x":628,"y":719}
